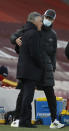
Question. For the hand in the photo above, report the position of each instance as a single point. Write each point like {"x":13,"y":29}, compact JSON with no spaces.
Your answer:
{"x":18,"y":41}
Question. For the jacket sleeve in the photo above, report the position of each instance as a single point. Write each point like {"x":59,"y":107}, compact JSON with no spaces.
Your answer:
{"x":35,"y":51}
{"x":14,"y":36}
{"x":17,"y":48}
{"x":53,"y":57}
{"x":53,"y":60}
{"x":67,"y":51}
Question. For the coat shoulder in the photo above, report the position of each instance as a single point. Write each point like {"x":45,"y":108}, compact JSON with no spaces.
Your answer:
{"x":54,"y":33}
{"x":31,"y":32}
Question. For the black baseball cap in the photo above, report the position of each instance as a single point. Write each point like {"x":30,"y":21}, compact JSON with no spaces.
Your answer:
{"x":50,"y":13}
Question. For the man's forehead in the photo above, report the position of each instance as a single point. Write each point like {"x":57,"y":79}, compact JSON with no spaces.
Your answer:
{"x":39,"y":18}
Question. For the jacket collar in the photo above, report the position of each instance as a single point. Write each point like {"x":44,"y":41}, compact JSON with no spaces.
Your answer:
{"x":28,"y":26}
{"x":45,"y":28}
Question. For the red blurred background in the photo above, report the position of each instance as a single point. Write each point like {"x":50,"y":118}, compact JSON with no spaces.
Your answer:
{"x":13,"y":14}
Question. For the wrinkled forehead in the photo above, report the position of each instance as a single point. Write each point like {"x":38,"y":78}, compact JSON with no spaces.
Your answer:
{"x":39,"y":18}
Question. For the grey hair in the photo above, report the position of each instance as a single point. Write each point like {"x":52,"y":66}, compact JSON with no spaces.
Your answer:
{"x":32,"y":16}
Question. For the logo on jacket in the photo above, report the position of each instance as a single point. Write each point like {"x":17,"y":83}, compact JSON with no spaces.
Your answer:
{"x":50,"y":40}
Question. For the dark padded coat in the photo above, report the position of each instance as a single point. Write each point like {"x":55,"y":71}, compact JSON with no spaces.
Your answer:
{"x":30,"y":62}
{"x":49,"y":40}
{"x":67,"y":51}
{"x":48,"y":45}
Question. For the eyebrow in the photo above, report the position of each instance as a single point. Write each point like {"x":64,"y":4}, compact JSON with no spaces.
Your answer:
{"x":48,"y":17}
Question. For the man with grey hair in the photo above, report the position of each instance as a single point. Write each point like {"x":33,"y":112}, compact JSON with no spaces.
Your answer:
{"x":15,"y":39}
{"x":29,"y":67}
{"x":47,"y":82}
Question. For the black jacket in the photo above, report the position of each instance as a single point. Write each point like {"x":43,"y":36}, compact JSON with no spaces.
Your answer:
{"x":67,"y":51}
{"x":49,"y":46}
{"x":18,"y":33}
{"x":30,"y":64}
{"x":48,"y":51}
{"x":14,"y":36}
{"x":49,"y":39}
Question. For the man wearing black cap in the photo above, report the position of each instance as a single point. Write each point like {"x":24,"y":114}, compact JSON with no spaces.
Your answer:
{"x":49,"y":39}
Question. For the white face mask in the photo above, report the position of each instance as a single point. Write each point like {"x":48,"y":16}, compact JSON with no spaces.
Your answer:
{"x":47,"y":22}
